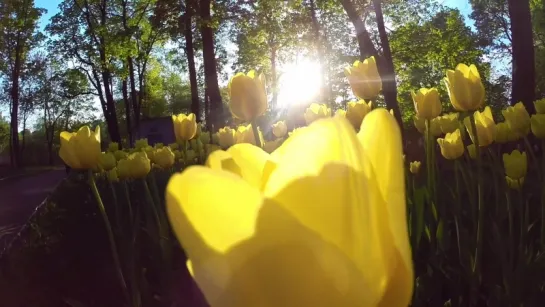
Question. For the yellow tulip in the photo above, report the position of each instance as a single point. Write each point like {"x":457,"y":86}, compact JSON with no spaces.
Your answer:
{"x":296,"y":130}
{"x":518,"y":119}
{"x":465,"y":88}
{"x":137,"y":165}
{"x":540,"y":106}
{"x":515,"y":184}
{"x":245,"y":134}
{"x":486,"y":128}
{"x":226,"y":137}
{"x":141,"y":144}
{"x":177,"y":154}
{"x":107,"y":161}
{"x":150,"y":153}
{"x":280,"y":129}
{"x":205,"y":137}
{"x":350,"y":245}
{"x":316,"y":111}
{"x":435,"y":126}
{"x":340,"y":113}
{"x":452,"y":146}
{"x":271,"y":146}
{"x":516,"y":164}
{"x":164,"y":157}
{"x":472,"y":151}
{"x":538,"y":125}
{"x":414,"y":167}
{"x":196,"y":145}
{"x":112,"y":175}
{"x":426,"y":103}
{"x":356,"y":111}
{"x":420,"y":124}
{"x":215,"y":139}
{"x":449,"y":122}
{"x":190,"y":157}
{"x":158,"y":145}
{"x":81,"y":150}
{"x":113,"y":146}
{"x":364,"y":79}
{"x":502,"y":133}
{"x":185,"y":127}
{"x":248,"y":98}
{"x":120,"y":154}
{"x":174,"y":146}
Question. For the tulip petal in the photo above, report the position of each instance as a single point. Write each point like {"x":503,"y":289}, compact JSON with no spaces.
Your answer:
{"x":252,"y":161}
{"x":386,"y":157}
{"x":320,"y":180}
{"x":211,"y":211}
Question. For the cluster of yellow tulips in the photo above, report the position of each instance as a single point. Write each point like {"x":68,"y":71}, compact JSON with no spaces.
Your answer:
{"x":321,"y":209}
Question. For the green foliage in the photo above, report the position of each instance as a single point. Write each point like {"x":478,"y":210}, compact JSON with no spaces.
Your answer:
{"x":423,"y":51}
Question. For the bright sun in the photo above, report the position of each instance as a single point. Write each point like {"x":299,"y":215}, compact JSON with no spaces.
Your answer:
{"x":299,"y":83}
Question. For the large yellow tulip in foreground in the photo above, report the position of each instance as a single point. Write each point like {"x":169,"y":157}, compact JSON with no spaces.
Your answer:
{"x":323,"y":224}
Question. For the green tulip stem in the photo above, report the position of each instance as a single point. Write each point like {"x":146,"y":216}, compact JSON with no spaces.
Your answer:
{"x":543,"y":196}
{"x":128,"y":198}
{"x":523,"y":212}
{"x":110,"y":233}
{"x":510,"y":220}
{"x":533,"y":156}
{"x":458,"y":208}
{"x":184,"y":150}
{"x":429,"y":165}
{"x":256,"y":133}
{"x":117,"y":210}
{"x":480,"y":219}
{"x":163,"y":231}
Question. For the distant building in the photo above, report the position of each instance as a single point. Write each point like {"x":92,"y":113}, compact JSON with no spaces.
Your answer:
{"x":157,"y":130}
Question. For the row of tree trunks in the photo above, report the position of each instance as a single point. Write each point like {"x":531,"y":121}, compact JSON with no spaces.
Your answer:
{"x":367,"y":48}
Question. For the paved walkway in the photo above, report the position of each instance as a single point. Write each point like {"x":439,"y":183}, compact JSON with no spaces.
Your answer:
{"x":20,"y":197}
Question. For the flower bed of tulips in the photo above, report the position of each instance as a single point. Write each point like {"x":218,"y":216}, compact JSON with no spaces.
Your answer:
{"x":331,"y":214}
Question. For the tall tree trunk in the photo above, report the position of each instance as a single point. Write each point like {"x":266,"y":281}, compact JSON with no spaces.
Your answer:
{"x":388,"y":74}
{"x":127,"y":110}
{"x":523,"y":73}
{"x":15,"y":152}
{"x":210,"y":69}
{"x":319,"y":49}
{"x":190,"y":53}
{"x":367,"y":49}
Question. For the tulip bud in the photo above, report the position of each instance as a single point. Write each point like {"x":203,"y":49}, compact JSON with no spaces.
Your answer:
{"x":81,"y":150}
{"x":449,"y":123}
{"x":164,"y":157}
{"x":340,"y":113}
{"x":435,"y":126}
{"x":280,"y":129}
{"x":516,"y":164}
{"x":540,"y":106}
{"x":107,"y":161}
{"x":486,"y":128}
{"x":248,"y":98}
{"x":414,"y":167}
{"x":113,"y":146}
{"x":245,"y":134}
{"x":226,"y":137}
{"x":205,"y":137}
{"x":185,"y":127}
{"x":465,"y":88}
{"x":426,"y":103}
{"x":538,"y":125}
{"x":112,"y":175}
{"x":120,"y":154}
{"x":419,"y":124}
{"x":316,"y":111}
{"x":364,"y":79}
{"x":515,"y":184}
{"x":195,"y":144}
{"x":137,"y":165}
{"x":141,"y":144}
{"x":452,"y":146}
{"x":356,"y":111}
{"x":271,"y":146}
{"x":190,"y":157}
{"x":502,"y":133}
{"x":174,"y":146}
{"x":215,"y":139}
{"x":518,"y":119}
